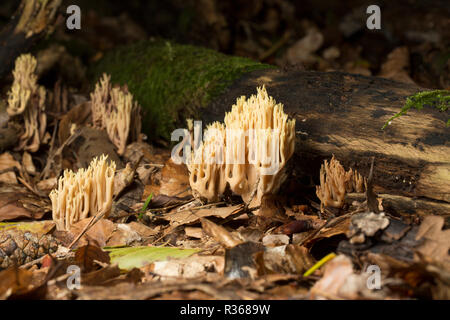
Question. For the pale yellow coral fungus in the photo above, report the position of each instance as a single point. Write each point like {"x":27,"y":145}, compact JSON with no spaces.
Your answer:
{"x":335,"y":182}
{"x":255,"y":143}
{"x":84,"y":193}
{"x":27,"y":98}
{"x":115,"y":110}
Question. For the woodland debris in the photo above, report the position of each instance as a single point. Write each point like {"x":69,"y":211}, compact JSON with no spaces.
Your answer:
{"x":34,"y":20}
{"x":7,"y":165}
{"x":18,"y":247}
{"x":18,"y":202}
{"x":240,"y":260}
{"x":273,"y":240}
{"x":366,"y":224}
{"x":88,"y":256}
{"x":219,"y":233}
{"x":341,"y":282}
{"x":436,"y":243}
{"x":98,"y":234}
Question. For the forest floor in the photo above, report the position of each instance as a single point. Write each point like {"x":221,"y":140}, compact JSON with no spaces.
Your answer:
{"x":161,"y":242}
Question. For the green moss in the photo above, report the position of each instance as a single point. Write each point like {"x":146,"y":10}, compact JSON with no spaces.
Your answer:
{"x":437,"y":98}
{"x":172,"y":82}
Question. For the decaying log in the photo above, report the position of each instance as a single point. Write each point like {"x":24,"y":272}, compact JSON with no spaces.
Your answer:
{"x":336,"y":113}
{"x":342,"y":114}
{"x":402,"y":206}
{"x":31,"y":21}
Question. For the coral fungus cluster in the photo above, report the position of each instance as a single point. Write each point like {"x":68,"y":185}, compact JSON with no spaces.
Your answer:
{"x":26,"y":99}
{"x":115,"y":110}
{"x":335,"y":182}
{"x":246,"y":152}
{"x":84,"y":193}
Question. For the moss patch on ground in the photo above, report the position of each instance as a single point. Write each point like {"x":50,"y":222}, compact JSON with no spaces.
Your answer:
{"x":172,"y":82}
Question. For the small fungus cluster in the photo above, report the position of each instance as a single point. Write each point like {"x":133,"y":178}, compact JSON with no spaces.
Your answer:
{"x":335,"y":182}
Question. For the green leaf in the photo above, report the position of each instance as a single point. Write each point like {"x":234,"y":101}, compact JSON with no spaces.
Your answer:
{"x":38,"y":227}
{"x":136,"y":257}
{"x":144,"y":208}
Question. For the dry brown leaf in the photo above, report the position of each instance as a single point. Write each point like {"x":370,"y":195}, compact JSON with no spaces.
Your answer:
{"x":286,"y":259}
{"x":174,"y":181}
{"x":87,"y":256}
{"x":20,"y":204}
{"x":123,"y":236}
{"x":335,"y":274}
{"x":396,"y":66}
{"x":27,"y":163}
{"x":339,"y":281}
{"x":142,"y":230}
{"x":193,"y":216}
{"x":47,"y":184}
{"x":99,"y":277}
{"x":7,"y":162}
{"x":273,"y":240}
{"x":340,"y":227}
{"x":303,"y":50}
{"x":219,"y":233}
{"x":77,"y":116}
{"x":15,"y":281}
{"x":97,"y":235}
{"x":193,"y":232}
{"x":437,"y":241}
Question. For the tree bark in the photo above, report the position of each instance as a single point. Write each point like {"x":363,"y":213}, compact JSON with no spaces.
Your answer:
{"x":31,"y":21}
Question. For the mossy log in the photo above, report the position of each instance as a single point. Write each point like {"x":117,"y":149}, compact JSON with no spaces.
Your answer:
{"x":336,"y":113}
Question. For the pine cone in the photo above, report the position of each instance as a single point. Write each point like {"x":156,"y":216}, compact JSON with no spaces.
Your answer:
{"x":21,"y":247}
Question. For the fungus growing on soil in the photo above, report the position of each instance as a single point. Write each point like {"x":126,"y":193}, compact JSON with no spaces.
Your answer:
{"x":84,"y":193}
{"x":115,"y":110}
{"x":254,"y":145}
{"x":27,"y":99}
{"x":207,"y":169}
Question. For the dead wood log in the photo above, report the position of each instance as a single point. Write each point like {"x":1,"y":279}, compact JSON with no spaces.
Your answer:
{"x":404,"y":206}
{"x":342,"y":114}
{"x":336,"y":113}
{"x":31,"y":21}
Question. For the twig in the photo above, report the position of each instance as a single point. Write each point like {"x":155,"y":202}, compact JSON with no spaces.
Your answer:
{"x":90,"y":224}
{"x":255,"y":189}
{"x":51,"y":157}
{"x":32,"y":263}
